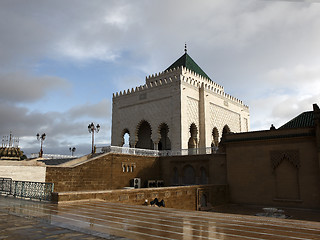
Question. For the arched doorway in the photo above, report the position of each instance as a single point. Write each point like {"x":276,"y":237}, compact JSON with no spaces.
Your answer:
{"x":215,"y":139}
{"x":189,"y":177}
{"x":193,"y":140}
{"x":144,"y":136}
{"x":225,"y":130}
{"x":164,"y":143}
{"x":125,"y":138}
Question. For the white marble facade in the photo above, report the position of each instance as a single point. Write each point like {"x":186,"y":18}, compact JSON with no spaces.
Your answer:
{"x":176,"y":109}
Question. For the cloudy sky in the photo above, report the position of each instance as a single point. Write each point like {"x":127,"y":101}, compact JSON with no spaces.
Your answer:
{"x":60,"y":61}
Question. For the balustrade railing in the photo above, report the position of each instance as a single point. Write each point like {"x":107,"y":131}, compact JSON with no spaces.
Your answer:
{"x":126,"y":150}
{"x":52,"y":156}
{"x":5,"y":185}
{"x":148,"y":152}
{"x":26,"y":189}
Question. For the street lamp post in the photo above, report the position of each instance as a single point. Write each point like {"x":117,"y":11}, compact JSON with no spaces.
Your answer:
{"x":92,"y":128}
{"x":72,"y":150}
{"x":41,"y":139}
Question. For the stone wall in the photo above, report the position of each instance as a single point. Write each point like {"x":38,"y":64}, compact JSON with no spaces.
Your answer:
{"x":182,"y":197}
{"x":109,"y":171}
{"x":155,"y":104}
{"x":214,"y":165}
{"x":274,"y":168}
{"x":209,"y":109}
{"x":114,"y":171}
{"x":19,"y":172}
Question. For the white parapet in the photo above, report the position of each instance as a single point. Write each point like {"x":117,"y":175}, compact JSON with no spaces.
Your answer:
{"x":22,"y":173}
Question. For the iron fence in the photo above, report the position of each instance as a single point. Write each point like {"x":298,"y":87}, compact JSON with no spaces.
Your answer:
{"x":5,"y":185}
{"x":26,"y":189}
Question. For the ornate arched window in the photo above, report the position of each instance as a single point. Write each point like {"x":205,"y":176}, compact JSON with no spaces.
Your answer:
{"x":144,"y":136}
{"x":164,"y":143}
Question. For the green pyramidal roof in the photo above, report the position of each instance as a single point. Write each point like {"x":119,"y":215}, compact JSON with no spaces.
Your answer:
{"x":305,"y":119}
{"x":186,"y":61}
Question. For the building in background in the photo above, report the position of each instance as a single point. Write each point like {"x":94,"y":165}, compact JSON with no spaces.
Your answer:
{"x":179,"y":108}
{"x":10,"y":149}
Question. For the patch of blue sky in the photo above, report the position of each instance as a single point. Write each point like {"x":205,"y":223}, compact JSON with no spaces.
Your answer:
{"x":89,"y":83}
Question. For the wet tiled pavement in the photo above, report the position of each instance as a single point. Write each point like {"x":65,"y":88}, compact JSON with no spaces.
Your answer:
{"x":94,"y":219}
{"x":14,"y":227}
{"x":19,"y":221}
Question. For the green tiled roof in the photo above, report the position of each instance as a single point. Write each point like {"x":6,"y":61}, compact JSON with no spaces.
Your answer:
{"x":186,"y":61}
{"x":305,"y":119}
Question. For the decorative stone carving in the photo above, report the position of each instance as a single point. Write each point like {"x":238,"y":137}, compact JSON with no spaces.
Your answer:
{"x":193,"y":111}
{"x":220,"y":116}
{"x":290,"y":155}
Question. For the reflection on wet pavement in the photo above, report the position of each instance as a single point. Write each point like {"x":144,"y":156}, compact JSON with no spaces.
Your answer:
{"x":108,"y":220}
{"x":13,"y":228}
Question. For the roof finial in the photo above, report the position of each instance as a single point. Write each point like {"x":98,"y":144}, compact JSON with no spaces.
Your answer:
{"x":185,"y":47}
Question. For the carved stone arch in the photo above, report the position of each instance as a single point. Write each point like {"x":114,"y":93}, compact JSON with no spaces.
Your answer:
{"x":164,"y":142}
{"x":226,"y":129}
{"x":285,"y":166}
{"x":143,"y":135}
{"x":291,"y":156}
{"x":193,"y":129}
{"x":125,"y":131}
{"x":161,"y":125}
{"x":193,"y":140}
{"x":215,"y":137}
{"x":137,"y":129}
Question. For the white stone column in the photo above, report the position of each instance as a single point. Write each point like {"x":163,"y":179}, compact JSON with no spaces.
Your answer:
{"x":202,"y":118}
{"x":155,"y":146}
{"x":155,"y":137}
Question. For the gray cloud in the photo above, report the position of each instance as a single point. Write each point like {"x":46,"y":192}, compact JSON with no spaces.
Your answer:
{"x":23,"y":87}
{"x":269,"y":46}
{"x":62,"y":129}
{"x":19,"y":120}
{"x":101,"y":109}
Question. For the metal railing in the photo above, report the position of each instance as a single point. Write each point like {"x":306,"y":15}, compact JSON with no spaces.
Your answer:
{"x":191,"y":151}
{"x":52,"y":156}
{"x":148,"y":152}
{"x":26,"y":189}
{"x":126,"y":150}
{"x":5,"y":185}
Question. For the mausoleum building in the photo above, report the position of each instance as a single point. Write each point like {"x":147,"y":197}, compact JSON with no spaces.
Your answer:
{"x":179,"y":108}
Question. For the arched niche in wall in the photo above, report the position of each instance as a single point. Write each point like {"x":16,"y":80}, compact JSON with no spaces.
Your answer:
{"x":125,"y":136}
{"x":164,"y":143}
{"x":286,"y":174}
{"x":215,"y":137}
{"x":143,"y":135}
{"x":193,"y":140}
{"x":189,"y":176}
{"x":203,"y":176}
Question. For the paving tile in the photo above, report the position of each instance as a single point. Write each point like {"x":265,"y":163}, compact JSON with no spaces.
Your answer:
{"x":35,"y":230}
{"x":99,"y":219}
